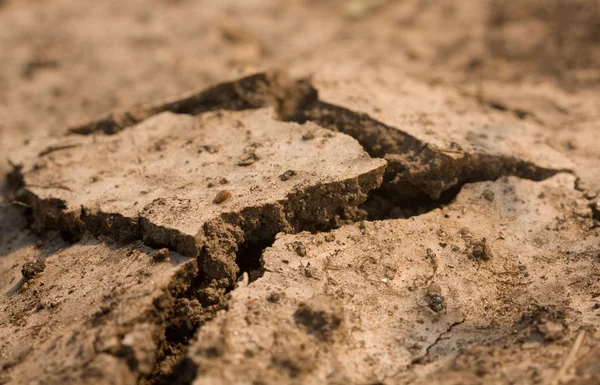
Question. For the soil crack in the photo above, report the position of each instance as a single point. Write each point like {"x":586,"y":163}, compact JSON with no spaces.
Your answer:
{"x":423,"y":359}
{"x":420,"y":176}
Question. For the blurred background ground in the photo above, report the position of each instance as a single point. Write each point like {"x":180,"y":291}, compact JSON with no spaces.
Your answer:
{"x":66,"y":61}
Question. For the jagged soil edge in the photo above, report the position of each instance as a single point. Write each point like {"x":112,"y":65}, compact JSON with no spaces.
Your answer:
{"x":250,"y":92}
{"x":199,"y":289}
{"x":314,"y":208}
{"x":415,"y":167}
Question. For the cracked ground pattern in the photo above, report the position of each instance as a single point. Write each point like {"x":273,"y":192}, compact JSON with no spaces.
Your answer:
{"x":410,"y":198}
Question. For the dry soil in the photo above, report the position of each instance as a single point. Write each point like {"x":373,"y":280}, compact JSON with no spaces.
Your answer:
{"x":300,"y":192}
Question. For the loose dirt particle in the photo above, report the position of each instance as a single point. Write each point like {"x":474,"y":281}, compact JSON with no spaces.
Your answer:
{"x":310,"y":271}
{"x":31,"y":269}
{"x":162,"y":255}
{"x":275,"y":297}
{"x":480,"y":250}
{"x":308,"y":135}
{"x":300,"y":249}
{"x":222,"y":196}
{"x":248,"y":159}
{"x":208,"y":148}
{"x":287,"y":175}
{"x":435,"y":301}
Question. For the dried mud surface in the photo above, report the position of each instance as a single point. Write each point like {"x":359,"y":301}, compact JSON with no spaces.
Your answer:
{"x":300,"y":192}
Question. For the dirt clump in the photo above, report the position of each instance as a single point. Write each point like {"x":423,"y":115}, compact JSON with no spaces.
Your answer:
{"x":162,"y":255}
{"x":480,"y":250}
{"x":31,"y":269}
{"x":435,"y":300}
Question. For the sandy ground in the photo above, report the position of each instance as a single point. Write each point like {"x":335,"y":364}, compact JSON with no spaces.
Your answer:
{"x":267,"y":192}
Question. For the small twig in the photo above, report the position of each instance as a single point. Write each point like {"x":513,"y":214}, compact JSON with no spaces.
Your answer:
{"x":558,"y":377}
{"x":52,"y":149}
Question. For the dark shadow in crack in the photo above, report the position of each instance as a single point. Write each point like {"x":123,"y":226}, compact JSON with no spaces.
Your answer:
{"x":250,"y":92}
{"x":381,"y":205}
{"x":249,"y":258}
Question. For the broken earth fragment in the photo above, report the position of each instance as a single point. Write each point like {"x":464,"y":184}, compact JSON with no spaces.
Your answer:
{"x":250,"y":92}
{"x":179,"y":211}
{"x":430,"y":148}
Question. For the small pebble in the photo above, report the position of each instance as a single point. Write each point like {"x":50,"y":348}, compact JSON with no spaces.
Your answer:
{"x":275,"y":297}
{"x":480,"y":250}
{"x":308,"y":135}
{"x":248,"y":159}
{"x":300,"y":249}
{"x":222,"y":196}
{"x":287,"y":175}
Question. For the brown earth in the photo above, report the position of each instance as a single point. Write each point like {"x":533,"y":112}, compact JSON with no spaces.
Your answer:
{"x":266,"y":192}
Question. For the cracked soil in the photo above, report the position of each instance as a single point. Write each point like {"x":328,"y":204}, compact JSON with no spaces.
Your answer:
{"x":300,"y":192}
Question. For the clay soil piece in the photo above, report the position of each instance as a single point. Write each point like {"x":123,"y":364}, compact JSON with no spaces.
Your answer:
{"x":150,"y":182}
{"x":43,"y":319}
{"x":172,"y":293}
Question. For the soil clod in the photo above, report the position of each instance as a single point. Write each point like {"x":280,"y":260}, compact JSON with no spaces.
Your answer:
{"x":32,"y":269}
{"x":300,"y":249}
{"x":287,"y":175}
{"x":480,"y":250}
{"x":161,"y":255}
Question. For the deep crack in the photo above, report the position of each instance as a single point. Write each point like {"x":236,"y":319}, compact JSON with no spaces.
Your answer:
{"x":415,"y":167}
{"x":420,"y":177}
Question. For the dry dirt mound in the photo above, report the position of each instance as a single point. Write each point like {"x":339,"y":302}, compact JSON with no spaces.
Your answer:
{"x":414,"y":200}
